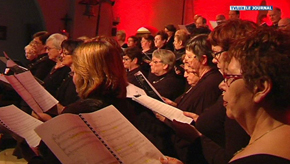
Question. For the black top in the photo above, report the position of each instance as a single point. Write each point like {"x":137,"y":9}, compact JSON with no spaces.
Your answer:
{"x":196,"y":100}
{"x":164,"y":84}
{"x":261,"y":159}
{"x":132,"y":79}
{"x":55,"y":78}
{"x":203,"y":95}
{"x":41,"y":66}
{"x":179,"y":61}
{"x":228,"y":135}
{"x":169,"y":44}
{"x":66,"y":93}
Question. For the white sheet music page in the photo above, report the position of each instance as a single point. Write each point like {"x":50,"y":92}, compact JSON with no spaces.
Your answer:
{"x":45,"y":100}
{"x":122,"y":137}
{"x":133,"y":91}
{"x":20,"y":123}
{"x":2,"y":78}
{"x":26,"y":96}
{"x":73,"y":142}
{"x":166,"y":110}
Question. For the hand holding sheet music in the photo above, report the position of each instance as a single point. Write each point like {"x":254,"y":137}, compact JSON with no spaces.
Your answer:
{"x":32,"y":92}
{"x":166,"y":110}
{"x":146,"y":85}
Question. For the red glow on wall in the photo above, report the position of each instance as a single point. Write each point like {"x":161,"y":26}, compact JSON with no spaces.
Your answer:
{"x":158,"y":13}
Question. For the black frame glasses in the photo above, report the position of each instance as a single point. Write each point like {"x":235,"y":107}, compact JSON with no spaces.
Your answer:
{"x":227,"y":78}
{"x":216,"y":55}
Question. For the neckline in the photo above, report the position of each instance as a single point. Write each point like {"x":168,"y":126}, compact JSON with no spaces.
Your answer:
{"x":261,"y":136}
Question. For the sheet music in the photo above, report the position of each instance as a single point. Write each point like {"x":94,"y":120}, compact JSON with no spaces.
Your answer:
{"x":2,"y":78}
{"x":43,"y":98}
{"x":133,"y":90}
{"x":3,"y":59}
{"x":20,"y":123}
{"x":166,"y":110}
{"x":213,"y":24}
{"x":125,"y":140}
{"x":146,"y":85}
{"x":73,"y":142}
{"x":26,"y":96}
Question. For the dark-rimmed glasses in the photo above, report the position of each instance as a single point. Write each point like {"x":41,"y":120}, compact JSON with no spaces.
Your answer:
{"x":155,"y":62}
{"x":229,"y":79}
{"x":216,"y":55}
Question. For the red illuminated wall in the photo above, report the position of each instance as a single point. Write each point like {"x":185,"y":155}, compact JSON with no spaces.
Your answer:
{"x":210,"y":8}
{"x":157,"y":13}
{"x":153,"y":13}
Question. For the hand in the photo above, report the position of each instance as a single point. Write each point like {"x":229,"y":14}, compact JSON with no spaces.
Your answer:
{"x":41,"y":116}
{"x":185,"y":131}
{"x":60,"y":108}
{"x":169,"y":102}
{"x":191,"y":115}
{"x":160,"y":117}
{"x":169,"y":160}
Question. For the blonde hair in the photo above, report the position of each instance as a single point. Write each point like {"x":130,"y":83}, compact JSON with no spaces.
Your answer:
{"x":99,"y":69}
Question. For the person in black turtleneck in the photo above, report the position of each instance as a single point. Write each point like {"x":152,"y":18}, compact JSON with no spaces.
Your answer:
{"x":132,"y":61}
{"x":162,"y":75}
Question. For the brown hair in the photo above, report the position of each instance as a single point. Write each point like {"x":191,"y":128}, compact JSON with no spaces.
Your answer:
{"x":225,"y":34}
{"x":99,"y":69}
{"x":265,"y":56}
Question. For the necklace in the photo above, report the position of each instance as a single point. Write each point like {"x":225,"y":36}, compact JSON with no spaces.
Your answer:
{"x":259,"y":138}
{"x":156,"y":81}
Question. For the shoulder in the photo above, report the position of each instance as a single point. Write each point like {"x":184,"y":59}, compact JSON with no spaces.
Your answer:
{"x":85,"y":106}
{"x":261,"y":158}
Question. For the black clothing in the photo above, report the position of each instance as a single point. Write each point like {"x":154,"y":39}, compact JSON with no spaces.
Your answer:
{"x":55,"y":78}
{"x":147,"y":56}
{"x":169,"y":44}
{"x":179,"y":61}
{"x":196,"y":100}
{"x":163,"y":84}
{"x":131,"y":78}
{"x":228,"y":136}
{"x":66,"y":93}
{"x":158,"y":133}
{"x":203,"y":95}
{"x":41,"y":66}
{"x":261,"y":159}
{"x":125,"y":45}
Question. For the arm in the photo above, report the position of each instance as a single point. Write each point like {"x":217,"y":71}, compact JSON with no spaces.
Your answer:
{"x":169,"y":160}
{"x":169,"y":102}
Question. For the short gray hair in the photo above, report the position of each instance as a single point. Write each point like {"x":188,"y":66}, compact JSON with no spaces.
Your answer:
{"x":57,"y":39}
{"x":166,"y":56}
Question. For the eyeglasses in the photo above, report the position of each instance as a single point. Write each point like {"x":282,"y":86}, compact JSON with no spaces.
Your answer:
{"x":229,"y":79}
{"x":155,"y":62}
{"x":48,"y":48}
{"x":216,"y":55}
{"x":65,"y":53}
{"x":126,"y":59}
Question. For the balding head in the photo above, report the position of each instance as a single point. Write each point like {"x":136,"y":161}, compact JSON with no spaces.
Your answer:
{"x":284,"y":24}
{"x":274,"y":15}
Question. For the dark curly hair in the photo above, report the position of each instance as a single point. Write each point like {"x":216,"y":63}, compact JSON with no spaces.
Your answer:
{"x":265,"y":56}
{"x":228,"y":32}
